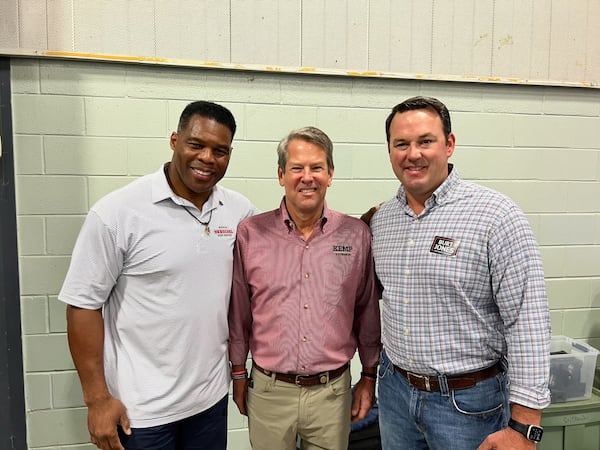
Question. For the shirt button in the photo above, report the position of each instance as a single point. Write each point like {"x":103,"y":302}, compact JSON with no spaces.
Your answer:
{"x":411,"y":242}
{"x":307,"y":246}
{"x":305,"y":306}
{"x":407,"y":272}
{"x":303,"y":338}
{"x":405,"y":301}
{"x":306,"y":275}
{"x":406,"y":332}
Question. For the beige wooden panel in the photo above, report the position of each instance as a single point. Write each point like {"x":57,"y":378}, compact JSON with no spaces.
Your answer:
{"x":9,"y":24}
{"x":421,"y":36}
{"x":334,"y":34}
{"x":192,"y":29}
{"x":540,"y":39}
{"x":389,"y":35}
{"x":463,"y":39}
{"x":101,"y":27}
{"x":559,"y":40}
{"x":504,"y":36}
{"x":266,"y":32}
{"x":443,"y":35}
{"x":60,"y":25}
{"x":592,"y":62}
{"x":521,"y":47}
{"x":483,"y":26}
{"x":32,"y":24}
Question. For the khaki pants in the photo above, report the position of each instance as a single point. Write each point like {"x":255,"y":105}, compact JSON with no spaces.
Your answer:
{"x":278,"y":412}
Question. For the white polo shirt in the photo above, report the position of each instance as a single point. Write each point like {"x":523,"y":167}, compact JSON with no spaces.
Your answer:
{"x":164,"y":285}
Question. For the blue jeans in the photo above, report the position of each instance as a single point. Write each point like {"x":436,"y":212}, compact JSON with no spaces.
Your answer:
{"x":204,"y":431}
{"x":411,"y":419}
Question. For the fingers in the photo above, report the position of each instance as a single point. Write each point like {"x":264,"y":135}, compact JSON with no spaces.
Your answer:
{"x":124,"y":421}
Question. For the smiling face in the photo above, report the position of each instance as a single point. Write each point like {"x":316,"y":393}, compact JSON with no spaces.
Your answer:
{"x":305,"y":179}
{"x":419,"y":152}
{"x":201,"y":153}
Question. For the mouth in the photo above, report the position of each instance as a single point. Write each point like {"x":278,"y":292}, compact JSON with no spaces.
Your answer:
{"x":308,"y":191}
{"x":415,"y":169}
{"x":201,"y":172}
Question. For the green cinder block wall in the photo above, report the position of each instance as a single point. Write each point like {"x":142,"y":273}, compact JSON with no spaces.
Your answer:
{"x":83,"y":129}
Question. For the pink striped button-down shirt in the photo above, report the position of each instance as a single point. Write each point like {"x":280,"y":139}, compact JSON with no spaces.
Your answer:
{"x":303,"y":306}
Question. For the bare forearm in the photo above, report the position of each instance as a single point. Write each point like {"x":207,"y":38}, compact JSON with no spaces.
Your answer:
{"x":85,"y":330}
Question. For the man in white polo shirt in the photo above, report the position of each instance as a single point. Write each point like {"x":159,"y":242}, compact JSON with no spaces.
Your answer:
{"x":148,"y":294}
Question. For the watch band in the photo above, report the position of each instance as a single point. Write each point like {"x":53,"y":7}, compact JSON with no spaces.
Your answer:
{"x":532,"y":433}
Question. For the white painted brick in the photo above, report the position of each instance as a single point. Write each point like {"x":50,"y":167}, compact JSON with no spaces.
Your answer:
{"x":43,"y":353}
{"x":264,"y":194}
{"x":581,"y":323}
{"x":66,"y":390}
{"x":557,"y":164}
{"x":458,"y":97}
{"x":583,"y":261}
{"x":569,"y":229}
{"x":566,"y":293}
{"x":583,"y":197}
{"x":595,"y":294}
{"x":513,"y":100}
{"x":533,"y":196}
{"x":38,"y":114}
{"x":166,"y":83}
{"x":376,"y":93}
{"x":253,"y":160}
{"x":483,"y":129}
{"x":56,"y":427}
{"x":313,"y":91}
{"x":28,"y":152}
{"x":556,"y":322}
{"x":30,"y":234}
{"x":353,"y":198}
{"x":37,"y":392}
{"x":34,"y":315}
{"x":358,"y":125}
{"x":238,"y":440}
{"x":100,"y":186}
{"x":572,"y":102}
{"x":553,"y":259}
{"x":370,"y":162}
{"x":40,"y":275}
{"x":496,"y":163}
{"x":125,"y":117}
{"x":145,"y":156}
{"x":57,"y":315}
{"x":267,"y":122}
{"x":549,"y":132}
{"x":24,"y":76}
{"x":61,"y":232}
{"x":51,"y":195}
{"x":85,"y":155}
{"x":90,"y":79}
{"x":243,"y":87}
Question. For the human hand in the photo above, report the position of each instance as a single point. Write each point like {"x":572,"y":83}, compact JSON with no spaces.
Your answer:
{"x":103,"y":417}
{"x":240,"y":394}
{"x":364,"y":396}
{"x":507,"y":439}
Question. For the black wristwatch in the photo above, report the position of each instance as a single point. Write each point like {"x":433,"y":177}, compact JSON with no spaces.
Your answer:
{"x":531,"y":432}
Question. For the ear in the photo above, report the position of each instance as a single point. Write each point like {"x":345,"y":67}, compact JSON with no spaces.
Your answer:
{"x":280,"y":176}
{"x":450,"y":145}
{"x":330,"y":172}
{"x":173,"y":140}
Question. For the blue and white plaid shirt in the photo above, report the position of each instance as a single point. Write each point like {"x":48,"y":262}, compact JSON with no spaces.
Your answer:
{"x":463,"y":287}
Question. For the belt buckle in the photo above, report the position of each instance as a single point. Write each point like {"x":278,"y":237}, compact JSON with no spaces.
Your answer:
{"x":425,"y":378}
{"x":298,"y":380}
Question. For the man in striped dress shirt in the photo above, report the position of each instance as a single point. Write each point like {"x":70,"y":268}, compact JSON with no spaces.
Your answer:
{"x":304,"y":298}
{"x":464,"y":301}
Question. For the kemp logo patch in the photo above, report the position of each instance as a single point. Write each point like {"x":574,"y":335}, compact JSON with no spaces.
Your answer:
{"x":444,"y":246}
{"x":342,"y":249}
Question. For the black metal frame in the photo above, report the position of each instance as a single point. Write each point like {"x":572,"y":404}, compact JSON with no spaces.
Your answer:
{"x":12,"y":396}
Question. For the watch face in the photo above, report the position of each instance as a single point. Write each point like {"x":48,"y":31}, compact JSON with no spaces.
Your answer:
{"x":535,"y":433}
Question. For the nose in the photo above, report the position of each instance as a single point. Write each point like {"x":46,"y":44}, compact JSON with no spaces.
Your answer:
{"x":307,"y":175}
{"x":413,"y":152}
{"x":206,"y":154}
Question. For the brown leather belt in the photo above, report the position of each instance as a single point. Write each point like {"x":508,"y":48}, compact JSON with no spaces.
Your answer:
{"x":304,"y":380}
{"x":431,"y":383}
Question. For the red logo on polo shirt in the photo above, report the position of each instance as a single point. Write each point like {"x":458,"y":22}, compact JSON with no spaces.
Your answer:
{"x":223,"y":232}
